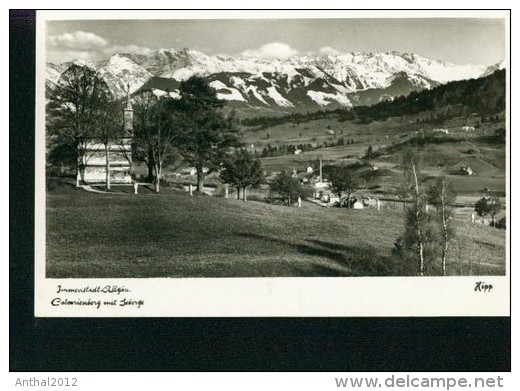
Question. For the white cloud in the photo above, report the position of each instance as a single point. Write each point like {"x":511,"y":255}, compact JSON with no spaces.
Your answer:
{"x":78,"y":40}
{"x":82,"y":45}
{"x":134,"y":49}
{"x":328,"y":50}
{"x":271,"y":50}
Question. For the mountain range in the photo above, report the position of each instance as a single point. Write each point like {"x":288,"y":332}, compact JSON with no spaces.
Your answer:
{"x":300,"y":82}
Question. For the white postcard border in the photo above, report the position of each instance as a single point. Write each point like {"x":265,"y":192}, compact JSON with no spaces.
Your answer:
{"x":254,"y":297}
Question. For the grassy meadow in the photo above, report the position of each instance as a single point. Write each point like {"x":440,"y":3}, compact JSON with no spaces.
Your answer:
{"x":92,"y":235}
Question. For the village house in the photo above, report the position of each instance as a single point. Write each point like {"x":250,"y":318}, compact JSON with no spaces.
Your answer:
{"x":356,"y":203}
{"x":370,"y":202}
{"x":466,"y":171}
{"x":321,"y":188}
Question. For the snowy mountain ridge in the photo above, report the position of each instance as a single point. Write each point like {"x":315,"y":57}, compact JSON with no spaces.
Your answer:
{"x":297,"y":82}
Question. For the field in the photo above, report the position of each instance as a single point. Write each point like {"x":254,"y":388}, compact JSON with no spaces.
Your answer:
{"x":174,"y":235}
{"x":446,"y":158}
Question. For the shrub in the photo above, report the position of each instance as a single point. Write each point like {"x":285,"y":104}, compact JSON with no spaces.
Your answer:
{"x":52,"y":183}
{"x":501,"y":223}
{"x":256,"y":197}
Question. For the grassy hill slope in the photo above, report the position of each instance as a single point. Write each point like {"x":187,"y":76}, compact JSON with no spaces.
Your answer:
{"x":173,"y":235}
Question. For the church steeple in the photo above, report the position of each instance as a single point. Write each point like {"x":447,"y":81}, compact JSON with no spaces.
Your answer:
{"x":128,"y":101}
{"x":128,"y":113}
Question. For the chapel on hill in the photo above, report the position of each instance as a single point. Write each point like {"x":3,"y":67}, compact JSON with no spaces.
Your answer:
{"x":118,"y":152}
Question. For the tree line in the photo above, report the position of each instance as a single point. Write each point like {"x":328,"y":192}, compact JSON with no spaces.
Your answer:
{"x":483,"y":95}
{"x":427,"y":242}
{"x":289,"y":149}
{"x":264,"y":122}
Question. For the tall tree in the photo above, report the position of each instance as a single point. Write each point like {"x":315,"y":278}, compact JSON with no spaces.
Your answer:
{"x":482,"y":208}
{"x":369,"y":153}
{"x":156,"y":133}
{"x":76,"y":109}
{"x":242,"y":170}
{"x":110,"y":132}
{"x":144,"y":116}
{"x":441,"y":195}
{"x":415,"y":215}
{"x":495,"y":206}
{"x":488,"y":206}
{"x":204,"y":135}
{"x":344,"y":181}
{"x":287,"y":187}
{"x":403,"y":191}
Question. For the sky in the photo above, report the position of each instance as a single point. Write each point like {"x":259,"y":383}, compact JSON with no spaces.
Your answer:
{"x":456,"y":40}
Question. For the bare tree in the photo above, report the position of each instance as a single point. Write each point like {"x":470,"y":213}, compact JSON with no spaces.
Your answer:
{"x":110,"y":133}
{"x":402,"y":191}
{"x":441,"y":195}
{"x":155,"y":133}
{"x":495,"y":206}
{"x":143,"y":109}
{"x":76,"y":109}
{"x":416,"y":213}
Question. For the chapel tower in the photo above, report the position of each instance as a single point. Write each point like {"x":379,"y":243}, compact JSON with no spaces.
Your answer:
{"x":128,"y":114}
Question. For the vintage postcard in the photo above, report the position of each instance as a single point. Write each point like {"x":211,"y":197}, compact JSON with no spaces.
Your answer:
{"x":272,"y":163}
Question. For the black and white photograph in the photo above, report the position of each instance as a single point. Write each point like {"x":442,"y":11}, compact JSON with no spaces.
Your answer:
{"x":212,"y":146}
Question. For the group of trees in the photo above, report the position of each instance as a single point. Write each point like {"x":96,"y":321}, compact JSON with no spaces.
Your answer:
{"x":289,"y":149}
{"x":288,"y":188}
{"x":155,"y":134}
{"x":242,"y":170}
{"x":295,"y":118}
{"x":427,"y":236}
{"x":284,"y":149}
{"x":344,"y":182}
{"x":191,"y":129}
{"x":80,"y":108}
{"x":488,"y":206}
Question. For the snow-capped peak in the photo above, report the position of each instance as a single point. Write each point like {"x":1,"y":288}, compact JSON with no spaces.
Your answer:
{"x":323,"y":79}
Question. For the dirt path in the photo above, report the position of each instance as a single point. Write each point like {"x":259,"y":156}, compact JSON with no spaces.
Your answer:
{"x":92,"y":190}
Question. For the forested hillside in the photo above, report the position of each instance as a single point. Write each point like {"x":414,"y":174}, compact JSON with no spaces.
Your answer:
{"x":484,"y":95}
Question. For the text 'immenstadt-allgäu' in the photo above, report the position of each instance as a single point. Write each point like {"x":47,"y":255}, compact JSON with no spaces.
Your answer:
{"x":108,"y":299}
